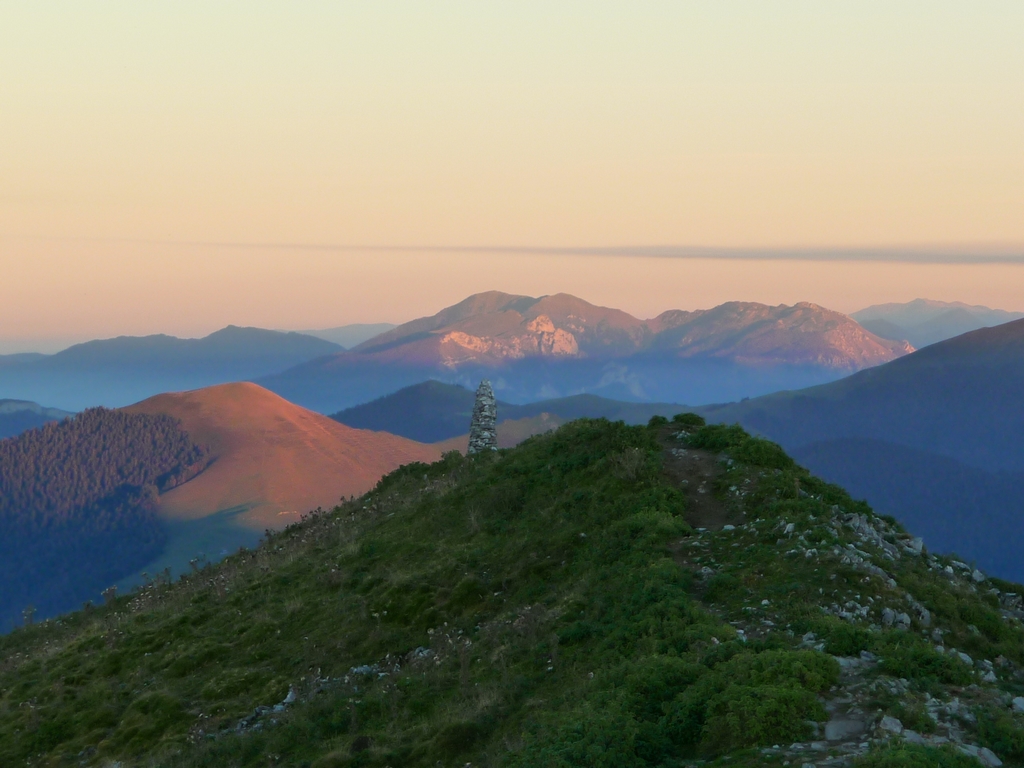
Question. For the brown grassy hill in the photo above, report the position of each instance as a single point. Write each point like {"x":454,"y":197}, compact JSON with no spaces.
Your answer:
{"x":272,"y":457}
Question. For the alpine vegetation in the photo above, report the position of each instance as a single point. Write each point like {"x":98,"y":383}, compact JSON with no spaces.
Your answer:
{"x":602,"y":595}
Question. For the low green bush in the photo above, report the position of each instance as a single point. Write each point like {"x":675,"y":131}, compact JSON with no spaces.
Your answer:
{"x":844,"y":639}
{"x":1001,"y":732}
{"x":735,"y":441}
{"x":749,"y":716}
{"x":911,"y":659}
{"x":914,"y":756}
{"x":688,"y":420}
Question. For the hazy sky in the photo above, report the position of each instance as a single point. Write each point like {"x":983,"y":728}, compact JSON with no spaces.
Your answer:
{"x":151,"y":152}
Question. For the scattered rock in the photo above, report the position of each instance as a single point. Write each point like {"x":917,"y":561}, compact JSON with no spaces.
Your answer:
{"x":984,"y":755}
{"x":888,"y":617}
{"x":978,"y":576}
{"x":1018,"y":704}
{"x":843,"y":729}
{"x":890,"y":725}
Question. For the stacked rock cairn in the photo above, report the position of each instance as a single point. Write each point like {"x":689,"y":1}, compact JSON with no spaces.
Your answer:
{"x":483,"y":434}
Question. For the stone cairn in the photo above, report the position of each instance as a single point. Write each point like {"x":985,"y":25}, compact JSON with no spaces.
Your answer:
{"x":483,"y":434}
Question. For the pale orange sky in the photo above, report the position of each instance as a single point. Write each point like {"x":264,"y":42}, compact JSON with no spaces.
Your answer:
{"x":129,"y":131}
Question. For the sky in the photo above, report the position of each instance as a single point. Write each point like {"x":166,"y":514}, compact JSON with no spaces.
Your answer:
{"x":175,"y":167}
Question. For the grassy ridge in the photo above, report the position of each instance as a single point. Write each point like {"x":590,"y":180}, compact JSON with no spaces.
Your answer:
{"x":533,"y":607}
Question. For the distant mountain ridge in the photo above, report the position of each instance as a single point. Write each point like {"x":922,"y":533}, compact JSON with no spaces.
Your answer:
{"x":493,"y":327}
{"x":348,"y":336}
{"x":560,"y":345}
{"x":16,"y":416}
{"x":116,"y":372}
{"x":433,"y":411}
{"x":923,"y":321}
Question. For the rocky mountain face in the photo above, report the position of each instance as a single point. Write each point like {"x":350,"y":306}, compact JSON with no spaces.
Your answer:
{"x":555,"y":346}
{"x":495,"y":327}
{"x":758,"y":334}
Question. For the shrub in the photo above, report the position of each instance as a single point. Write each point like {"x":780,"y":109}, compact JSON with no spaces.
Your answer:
{"x":718,"y":437}
{"x":922,"y":663}
{"x":751,"y":699}
{"x":1002,"y":733}
{"x":843,"y":639}
{"x":688,"y":420}
{"x":741,"y":446}
{"x":747,"y":716}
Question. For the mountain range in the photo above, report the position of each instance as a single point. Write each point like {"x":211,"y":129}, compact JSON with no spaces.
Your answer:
{"x":933,"y":438}
{"x":123,"y":370}
{"x":922,"y":321}
{"x":433,"y":411}
{"x":553,"y":346}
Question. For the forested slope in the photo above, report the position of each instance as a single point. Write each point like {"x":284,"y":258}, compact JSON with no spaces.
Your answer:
{"x":76,"y":505}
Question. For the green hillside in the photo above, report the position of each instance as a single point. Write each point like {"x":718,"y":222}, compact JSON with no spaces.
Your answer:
{"x":603,"y":595}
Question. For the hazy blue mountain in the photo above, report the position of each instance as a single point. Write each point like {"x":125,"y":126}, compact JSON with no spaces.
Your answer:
{"x":923,"y":322}
{"x":126,"y":369}
{"x":959,"y":398}
{"x":432,"y":411}
{"x":556,"y":346}
{"x":933,"y":438}
{"x":348,"y":336}
{"x":953,"y":506}
{"x":19,"y":358}
{"x":16,"y":416}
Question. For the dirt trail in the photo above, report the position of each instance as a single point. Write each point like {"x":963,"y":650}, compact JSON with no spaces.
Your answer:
{"x":696,"y":471}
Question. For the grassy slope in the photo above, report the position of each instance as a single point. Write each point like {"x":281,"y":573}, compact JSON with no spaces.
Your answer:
{"x":535,"y":607}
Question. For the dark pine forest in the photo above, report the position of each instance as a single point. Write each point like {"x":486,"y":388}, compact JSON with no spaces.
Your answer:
{"x":77,"y":506}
